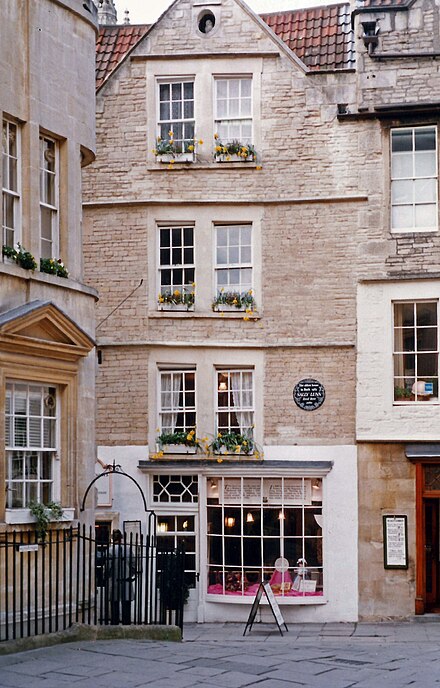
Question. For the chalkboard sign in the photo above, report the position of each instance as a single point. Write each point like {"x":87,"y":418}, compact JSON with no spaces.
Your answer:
{"x":309,"y":394}
{"x":273,"y":604}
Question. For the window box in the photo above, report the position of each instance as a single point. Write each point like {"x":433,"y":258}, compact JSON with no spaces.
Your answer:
{"x":175,"y":307}
{"x":176,"y":449}
{"x":176,"y":387}
{"x":234,"y":158}
{"x":223,"y":451}
{"x":178,"y":157}
{"x":226,"y":308}
{"x":13,"y":516}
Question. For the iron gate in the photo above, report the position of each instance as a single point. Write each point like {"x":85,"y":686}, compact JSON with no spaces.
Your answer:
{"x":47,"y":586}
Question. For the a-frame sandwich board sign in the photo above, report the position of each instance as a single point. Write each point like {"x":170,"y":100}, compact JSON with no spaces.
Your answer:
{"x":273,"y":604}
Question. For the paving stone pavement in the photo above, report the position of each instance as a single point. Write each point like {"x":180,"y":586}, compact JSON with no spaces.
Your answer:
{"x":342,"y":655}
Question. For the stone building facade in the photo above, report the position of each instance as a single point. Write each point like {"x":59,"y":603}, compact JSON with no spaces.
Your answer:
{"x":47,"y":313}
{"x":254,"y":296}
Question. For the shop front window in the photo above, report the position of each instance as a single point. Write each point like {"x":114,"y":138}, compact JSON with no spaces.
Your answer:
{"x":265,"y":529}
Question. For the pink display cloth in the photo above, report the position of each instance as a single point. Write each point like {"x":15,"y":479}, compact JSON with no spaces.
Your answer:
{"x":278,"y":578}
{"x":251,"y":591}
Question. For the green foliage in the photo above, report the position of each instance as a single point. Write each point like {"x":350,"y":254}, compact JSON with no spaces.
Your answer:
{"x":188,"y":438}
{"x":44,"y":513}
{"x":23,"y":258}
{"x":244,"y":151}
{"x":53,"y":267}
{"x":233,"y":442}
{"x":243,"y":300}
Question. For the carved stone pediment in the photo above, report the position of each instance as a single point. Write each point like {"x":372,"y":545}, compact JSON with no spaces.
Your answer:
{"x":43,"y":329}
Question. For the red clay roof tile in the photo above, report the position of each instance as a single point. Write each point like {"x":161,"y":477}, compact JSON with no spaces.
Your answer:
{"x":322,"y":37}
{"x":113,"y":44}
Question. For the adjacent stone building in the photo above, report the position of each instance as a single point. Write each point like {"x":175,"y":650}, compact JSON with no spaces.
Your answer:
{"x":47,"y":313}
{"x":261,"y":222}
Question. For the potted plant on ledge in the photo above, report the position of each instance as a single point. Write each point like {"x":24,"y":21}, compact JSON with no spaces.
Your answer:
{"x":402,"y":394}
{"x":178,"y":442}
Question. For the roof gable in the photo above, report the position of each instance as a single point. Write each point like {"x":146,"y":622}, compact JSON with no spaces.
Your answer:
{"x":319,"y":38}
{"x":241,"y":31}
{"x":45,"y":329}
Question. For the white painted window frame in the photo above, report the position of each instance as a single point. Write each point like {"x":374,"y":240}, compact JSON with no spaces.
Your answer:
{"x":162,"y":289}
{"x":240,"y":265}
{"x":416,"y":353}
{"x":227,"y":371}
{"x":414,"y":178}
{"x":53,"y":209}
{"x":173,"y":372}
{"x":11,"y":390}
{"x":168,"y":124}
{"x":233,"y":119}
{"x":7,"y":191}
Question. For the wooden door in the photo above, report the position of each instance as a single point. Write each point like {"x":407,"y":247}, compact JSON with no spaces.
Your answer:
{"x":432,"y":565}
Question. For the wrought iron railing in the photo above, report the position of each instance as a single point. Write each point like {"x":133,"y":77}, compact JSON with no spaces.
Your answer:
{"x":46,"y":586}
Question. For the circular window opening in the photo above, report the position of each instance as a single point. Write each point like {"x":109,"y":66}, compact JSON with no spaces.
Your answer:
{"x":206,"y":22}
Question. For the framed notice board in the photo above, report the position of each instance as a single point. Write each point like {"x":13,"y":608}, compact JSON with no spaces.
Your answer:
{"x":395,"y":542}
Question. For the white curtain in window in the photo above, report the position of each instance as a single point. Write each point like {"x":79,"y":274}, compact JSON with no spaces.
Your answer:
{"x":177,"y":386}
{"x":171,"y":385}
{"x":167,"y":415}
{"x":244,"y":418}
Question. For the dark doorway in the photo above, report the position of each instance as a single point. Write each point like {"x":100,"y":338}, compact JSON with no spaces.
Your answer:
{"x":103,"y":531}
{"x":432,"y":564}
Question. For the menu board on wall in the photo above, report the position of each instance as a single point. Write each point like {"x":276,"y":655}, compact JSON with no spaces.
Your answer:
{"x":395,"y":542}
{"x":296,"y":491}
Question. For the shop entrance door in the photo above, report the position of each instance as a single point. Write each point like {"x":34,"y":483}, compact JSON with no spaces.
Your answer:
{"x":432,"y":552}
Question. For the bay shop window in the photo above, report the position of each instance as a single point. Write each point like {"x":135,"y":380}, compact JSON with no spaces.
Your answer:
{"x":265,"y":529}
